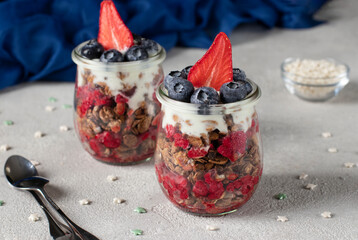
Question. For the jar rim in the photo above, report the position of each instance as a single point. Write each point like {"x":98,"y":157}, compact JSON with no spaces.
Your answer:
{"x":92,"y":64}
{"x":215,"y":109}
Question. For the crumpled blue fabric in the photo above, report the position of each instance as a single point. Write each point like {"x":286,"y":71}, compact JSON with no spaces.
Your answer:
{"x":37,"y":36}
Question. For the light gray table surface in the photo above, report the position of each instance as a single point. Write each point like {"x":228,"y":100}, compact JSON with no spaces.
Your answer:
{"x":291,"y":132}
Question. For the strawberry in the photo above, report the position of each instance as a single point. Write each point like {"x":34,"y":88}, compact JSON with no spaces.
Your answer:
{"x":215,"y":67}
{"x":113,"y":33}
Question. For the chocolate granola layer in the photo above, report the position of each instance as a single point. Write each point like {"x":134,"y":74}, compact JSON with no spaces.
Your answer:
{"x":109,"y":128}
{"x":212,"y":174}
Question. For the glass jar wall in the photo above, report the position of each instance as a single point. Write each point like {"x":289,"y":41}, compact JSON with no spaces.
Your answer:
{"x":116,"y":110}
{"x":208,"y":159}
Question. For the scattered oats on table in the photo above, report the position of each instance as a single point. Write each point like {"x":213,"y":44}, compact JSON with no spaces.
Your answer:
{"x":326,"y":134}
{"x":118,"y":200}
{"x":35,"y":163}
{"x":34,"y":217}
{"x":111,"y":178}
{"x":326,"y":214}
{"x":332,"y":150}
{"x":349,"y":165}
{"x":64,"y":128}
{"x":4,"y":148}
{"x":211,"y":228}
{"x":85,"y":202}
{"x":303,"y":176}
{"x":310,"y":186}
{"x":38,"y":134}
{"x":50,"y":108}
{"x":282,"y":219}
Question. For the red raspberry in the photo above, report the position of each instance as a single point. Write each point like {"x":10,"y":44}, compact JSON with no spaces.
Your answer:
{"x":238,"y":184}
{"x":120,"y":108}
{"x":184,"y":195}
{"x":121,"y":99}
{"x":100,"y":99}
{"x":108,"y":139}
{"x":216,"y":189}
{"x":230,"y":187}
{"x":170,"y":130}
{"x":232,"y":145}
{"x":200,"y":189}
{"x":96,"y":146}
{"x":180,"y":141}
{"x":197,"y":152}
{"x":86,"y":104}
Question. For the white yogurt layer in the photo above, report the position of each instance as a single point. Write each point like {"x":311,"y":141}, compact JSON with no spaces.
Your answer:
{"x":195,"y":124}
{"x":141,"y":79}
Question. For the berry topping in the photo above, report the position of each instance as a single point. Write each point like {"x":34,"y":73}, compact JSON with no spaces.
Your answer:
{"x":136,"y":53}
{"x":170,"y":77}
{"x":136,"y":39}
{"x":111,"y":56}
{"x":248,"y":87}
{"x":185,"y":72}
{"x":180,"y":89}
{"x":113,"y":33}
{"x":233,"y":91}
{"x":92,"y":49}
{"x":205,"y":95}
{"x":215,"y":67}
{"x":238,"y":74}
{"x":151,"y":46}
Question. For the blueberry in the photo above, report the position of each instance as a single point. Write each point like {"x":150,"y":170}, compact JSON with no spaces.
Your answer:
{"x":180,"y":89}
{"x":205,"y":95}
{"x":247,"y":86}
{"x":136,"y":53}
{"x":92,"y":49}
{"x":238,"y":74}
{"x":151,"y":46}
{"x":136,"y":39}
{"x":185,"y":72}
{"x":111,"y":55}
{"x":170,"y":77}
{"x":233,"y":91}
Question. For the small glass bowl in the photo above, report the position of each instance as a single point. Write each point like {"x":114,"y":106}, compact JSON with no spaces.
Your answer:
{"x":314,"y":89}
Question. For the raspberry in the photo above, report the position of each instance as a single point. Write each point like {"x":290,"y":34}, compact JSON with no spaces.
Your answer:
{"x":179,"y":141}
{"x":84,"y":107}
{"x":230,"y":187}
{"x":232,"y":145}
{"x":184,"y":195}
{"x":120,"y":108}
{"x":200,"y":189}
{"x":170,"y":130}
{"x":216,"y":189}
{"x":100,"y":99}
{"x":96,"y":146}
{"x":238,"y":184}
{"x":197,"y":152}
{"x":121,"y":99}
{"x":144,"y":136}
{"x":108,"y":139}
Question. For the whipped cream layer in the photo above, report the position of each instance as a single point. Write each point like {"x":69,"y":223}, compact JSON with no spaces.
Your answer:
{"x":195,"y":124}
{"x":119,"y":81}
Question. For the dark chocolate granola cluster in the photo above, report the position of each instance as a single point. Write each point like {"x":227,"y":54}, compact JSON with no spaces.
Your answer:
{"x":211,"y":174}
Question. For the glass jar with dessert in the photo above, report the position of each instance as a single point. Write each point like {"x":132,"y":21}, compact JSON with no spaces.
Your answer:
{"x":116,"y":110}
{"x":208,"y":158}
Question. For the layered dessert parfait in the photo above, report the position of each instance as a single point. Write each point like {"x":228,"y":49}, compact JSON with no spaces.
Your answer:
{"x":208,"y":158}
{"x":116,"y":109}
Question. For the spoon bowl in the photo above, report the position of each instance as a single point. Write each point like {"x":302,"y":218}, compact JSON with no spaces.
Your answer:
{"x":18,"y":168}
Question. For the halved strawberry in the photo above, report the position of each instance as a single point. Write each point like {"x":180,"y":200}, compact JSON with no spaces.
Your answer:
{"x":215,"y":67}
{"x":113,"y":33}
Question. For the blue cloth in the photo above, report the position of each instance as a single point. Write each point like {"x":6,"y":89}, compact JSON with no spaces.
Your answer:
{"x":37,"y":36}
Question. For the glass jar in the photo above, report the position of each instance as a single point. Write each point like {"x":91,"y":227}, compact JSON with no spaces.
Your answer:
{"x":116,"y":110}
{"x":208,"y":160}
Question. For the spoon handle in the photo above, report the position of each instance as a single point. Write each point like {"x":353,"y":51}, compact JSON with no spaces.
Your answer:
{"x":80,"y":232}
{"x":57,"y":230}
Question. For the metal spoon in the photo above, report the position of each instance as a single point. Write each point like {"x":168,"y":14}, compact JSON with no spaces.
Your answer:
{"x":22,"y":174}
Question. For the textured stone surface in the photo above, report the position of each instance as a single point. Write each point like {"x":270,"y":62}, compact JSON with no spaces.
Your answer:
{"x":291,"y":131}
